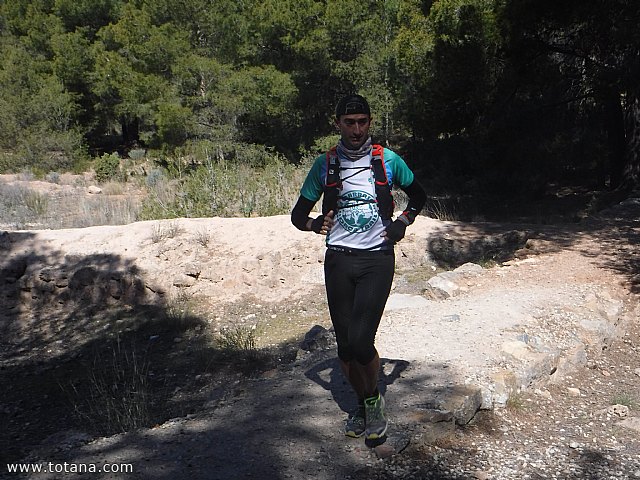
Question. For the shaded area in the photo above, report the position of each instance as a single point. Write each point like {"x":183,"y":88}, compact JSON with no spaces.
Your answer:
{"x":595,"y":464}
{"x":616,"y":228}
{"x":273,"y":428}
{"x":555,"y":204}
{"x":455,"y":243}
{"x":328,"y":375}
{"x":88,"y":348}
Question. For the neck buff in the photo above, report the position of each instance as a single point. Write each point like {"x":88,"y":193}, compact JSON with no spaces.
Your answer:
{"x":354,"y":155}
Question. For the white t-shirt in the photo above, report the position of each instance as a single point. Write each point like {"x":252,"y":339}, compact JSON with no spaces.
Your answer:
{"x":358,"y":223}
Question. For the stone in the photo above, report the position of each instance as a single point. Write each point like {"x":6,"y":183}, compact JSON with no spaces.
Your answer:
{"x":84,"y":277}
{"x":618,"y":410}
{"x":46,"y":275}
{"x":398,"y":301}
{"x":516,"y":349}
{"x":504,"y":384}
{"x":318,"y":338}
{"x":192,"y":270}
{"x":394,"y":443}
{"x":463,"y":402}
{"x":434,"y":415}
{"x":469,"y":269}
{"x":452,"y":250}
{"x":443,"y":286}
{"x":543,"y":393}
{"x":572,"y":358}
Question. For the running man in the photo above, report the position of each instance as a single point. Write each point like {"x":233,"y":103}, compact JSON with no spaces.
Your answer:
{"x":355,"y":179}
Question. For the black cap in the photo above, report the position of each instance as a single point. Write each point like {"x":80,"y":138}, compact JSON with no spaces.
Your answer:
{"x":352,"y":104}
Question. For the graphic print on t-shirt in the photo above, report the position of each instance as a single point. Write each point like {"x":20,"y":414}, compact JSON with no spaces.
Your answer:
{"x":350,"y":231}
{"x":358,"y":211}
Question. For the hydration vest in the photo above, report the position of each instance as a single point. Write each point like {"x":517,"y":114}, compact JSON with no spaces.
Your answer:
{"x":333,"y":183}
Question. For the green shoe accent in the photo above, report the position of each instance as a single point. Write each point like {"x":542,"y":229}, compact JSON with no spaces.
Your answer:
{"x":376,"y":422}
{"x":355,"y":424}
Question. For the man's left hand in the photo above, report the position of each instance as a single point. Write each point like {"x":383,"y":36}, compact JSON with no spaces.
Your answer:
{"x":395,"y":231}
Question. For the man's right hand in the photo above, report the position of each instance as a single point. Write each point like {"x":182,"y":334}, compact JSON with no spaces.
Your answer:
{"x":322,"y":224}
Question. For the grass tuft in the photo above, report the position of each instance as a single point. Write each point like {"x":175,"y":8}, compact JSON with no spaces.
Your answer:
{"x":240,"y":340}
{"x":202,"y":237}
{"x":625,"y":399}
{"x":118,"y":392}
{"x":438,"y":210}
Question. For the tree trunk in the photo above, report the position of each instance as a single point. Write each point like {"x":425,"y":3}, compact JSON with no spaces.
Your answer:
{"x":631,"y":173}
{"x":616,"y":138}
{"x":130,"y":131}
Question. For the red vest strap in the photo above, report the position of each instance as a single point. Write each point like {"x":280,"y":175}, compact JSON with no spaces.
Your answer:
{"x":333,"y":168}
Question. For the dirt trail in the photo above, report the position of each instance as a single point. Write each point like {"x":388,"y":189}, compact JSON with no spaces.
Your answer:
{"x":518,"y":325}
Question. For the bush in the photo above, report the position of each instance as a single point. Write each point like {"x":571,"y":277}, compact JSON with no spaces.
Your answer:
{"x":36,"y":202}
{"x":137,"y":154}
{"x":52,"y":177}
{"x":155,"y":177}
{"x":107,"y":167}
{"x":226,"y":181}
{"x":6,"y":162}
{"x":44,"y":151}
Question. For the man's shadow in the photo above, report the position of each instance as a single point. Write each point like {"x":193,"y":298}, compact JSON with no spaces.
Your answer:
{"x":328,"y":375}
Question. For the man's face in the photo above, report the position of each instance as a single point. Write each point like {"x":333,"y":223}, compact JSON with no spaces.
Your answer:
{"x":354,"y":129}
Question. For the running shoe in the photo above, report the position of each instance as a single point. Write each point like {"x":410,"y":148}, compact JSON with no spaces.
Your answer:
{"x":355,"y":424}
{"x":376,"y":423}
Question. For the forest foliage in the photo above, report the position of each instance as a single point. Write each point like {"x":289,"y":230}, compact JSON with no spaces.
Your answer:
{"x":480,"y":96}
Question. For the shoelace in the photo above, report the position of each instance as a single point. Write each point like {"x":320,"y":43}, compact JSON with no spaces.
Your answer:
{"x":374,"y":411}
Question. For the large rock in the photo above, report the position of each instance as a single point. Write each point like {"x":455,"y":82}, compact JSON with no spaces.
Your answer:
{"x":450,"y":284}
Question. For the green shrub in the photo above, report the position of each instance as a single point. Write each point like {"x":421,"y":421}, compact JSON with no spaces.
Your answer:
{"x":107,"y":167}
{"x":6,"y":162}
{"x":44,"y":151}
{"x":22,"y":206}
{"x":624,"y":398}
{"x":154,"y":177}
{"x":241,"y":339}
{"x":103,"y":210}
{"x":137,"y":154}
{"x":202,"y":237}
{"x":225,"y":180}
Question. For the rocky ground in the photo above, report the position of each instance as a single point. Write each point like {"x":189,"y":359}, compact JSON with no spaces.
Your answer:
{"x":585,"y":426}
{"x":90,"y":313}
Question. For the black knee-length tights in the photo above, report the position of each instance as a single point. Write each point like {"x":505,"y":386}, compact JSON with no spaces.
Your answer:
{"x":358,"y":286}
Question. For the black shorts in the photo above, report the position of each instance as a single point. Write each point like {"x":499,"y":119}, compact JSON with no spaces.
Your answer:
{"x":358,"y":285}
